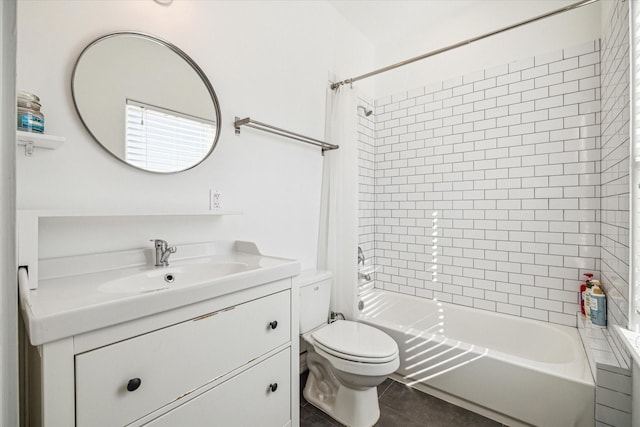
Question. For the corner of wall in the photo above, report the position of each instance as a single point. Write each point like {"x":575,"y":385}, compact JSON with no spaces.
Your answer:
{"x":8,"y":290}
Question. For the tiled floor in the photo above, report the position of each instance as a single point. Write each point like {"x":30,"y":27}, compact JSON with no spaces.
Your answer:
{"x":401,"y":406}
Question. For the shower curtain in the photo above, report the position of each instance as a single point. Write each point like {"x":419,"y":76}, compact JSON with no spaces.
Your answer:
{"x":338,"y":240}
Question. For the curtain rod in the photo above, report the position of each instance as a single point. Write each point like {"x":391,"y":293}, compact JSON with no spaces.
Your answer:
{"x":572,"y":6}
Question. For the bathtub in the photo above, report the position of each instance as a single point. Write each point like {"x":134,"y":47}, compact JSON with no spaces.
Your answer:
{"x":516,"y":371}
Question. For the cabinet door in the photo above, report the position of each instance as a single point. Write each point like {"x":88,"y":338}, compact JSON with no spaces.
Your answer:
{"x":259,"y":396}
{"x":168,"y":364}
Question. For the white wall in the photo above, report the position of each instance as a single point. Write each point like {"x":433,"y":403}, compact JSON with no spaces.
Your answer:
{"x":268,"y":60}
{"x":8,"y":288}
{"x":566,"y":29}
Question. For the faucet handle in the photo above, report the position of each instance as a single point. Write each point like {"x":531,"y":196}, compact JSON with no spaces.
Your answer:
{"x":159,"y":243}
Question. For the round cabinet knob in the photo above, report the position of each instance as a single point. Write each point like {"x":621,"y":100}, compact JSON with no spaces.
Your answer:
{"x":273,"y":387}
{"x":273,"y":324}
{"x":133,"y":384}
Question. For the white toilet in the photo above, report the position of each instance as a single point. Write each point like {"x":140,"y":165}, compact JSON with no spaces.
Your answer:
{"x":347,"y":360}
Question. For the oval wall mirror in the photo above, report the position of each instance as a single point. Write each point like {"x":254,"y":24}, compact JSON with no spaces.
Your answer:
{"x":146,"y":102}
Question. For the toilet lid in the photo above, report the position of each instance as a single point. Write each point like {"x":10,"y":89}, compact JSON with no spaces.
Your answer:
{"x":356,"y":341}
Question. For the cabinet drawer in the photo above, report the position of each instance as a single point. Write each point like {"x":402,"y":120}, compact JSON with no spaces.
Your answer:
{"x":243,"y":401}
{"x":174,"y":361}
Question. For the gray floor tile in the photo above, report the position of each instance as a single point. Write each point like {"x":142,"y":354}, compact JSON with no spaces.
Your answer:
{"x":430,"y":411}
{"x":384,"y":386}
{"x":402,"y":406}
{"x":389,"y":417}
{"x":309,"y":418}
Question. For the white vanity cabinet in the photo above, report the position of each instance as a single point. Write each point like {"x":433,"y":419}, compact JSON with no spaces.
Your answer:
{"x":269,"y":405}
{"x":119,"y":383}
{"x":228,"y":361}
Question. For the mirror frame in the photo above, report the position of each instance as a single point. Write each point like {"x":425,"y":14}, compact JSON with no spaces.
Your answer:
{"x":182,"y":55}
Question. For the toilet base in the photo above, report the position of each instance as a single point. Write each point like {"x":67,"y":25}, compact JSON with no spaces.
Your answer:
{"x":351,"y":407}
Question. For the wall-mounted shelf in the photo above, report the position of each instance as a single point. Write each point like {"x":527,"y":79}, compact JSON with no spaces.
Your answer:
{"x":28,"y":227}
{"x":32,"y":140}
{"x":120,"y":213}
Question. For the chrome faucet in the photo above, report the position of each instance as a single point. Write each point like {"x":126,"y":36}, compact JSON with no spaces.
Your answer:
{"x":361,"y":260}
{"x":163,"y":251}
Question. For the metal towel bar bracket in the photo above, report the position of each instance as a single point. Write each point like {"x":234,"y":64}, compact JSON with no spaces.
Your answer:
{"x":247,"y":121}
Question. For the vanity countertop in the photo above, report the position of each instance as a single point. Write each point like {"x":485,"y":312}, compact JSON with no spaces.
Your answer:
{"x":84,"y":293}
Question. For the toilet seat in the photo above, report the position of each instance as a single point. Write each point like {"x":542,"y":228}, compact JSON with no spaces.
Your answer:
{"x":355,"y":342}
{"x":358,"y":368}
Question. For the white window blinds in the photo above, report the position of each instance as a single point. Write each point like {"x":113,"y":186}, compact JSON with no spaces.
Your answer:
{"x":165,"y":141}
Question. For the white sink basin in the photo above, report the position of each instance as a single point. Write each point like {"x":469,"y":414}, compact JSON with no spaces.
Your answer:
{"x":163,"y":278}
{"x":83,"y":293}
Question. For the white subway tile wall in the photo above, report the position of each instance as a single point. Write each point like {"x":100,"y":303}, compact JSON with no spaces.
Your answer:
{"x":613,"y":392}
{"x":366,"y":167}
{"x":615,"y":165}
{"x":613,"y":397}
{"x":487,"y":186}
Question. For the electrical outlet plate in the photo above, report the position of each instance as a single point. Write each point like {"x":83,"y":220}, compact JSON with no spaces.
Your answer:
{"x":215,"y":200}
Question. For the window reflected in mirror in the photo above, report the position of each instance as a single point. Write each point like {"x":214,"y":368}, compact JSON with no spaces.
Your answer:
{"x":161,"y":140}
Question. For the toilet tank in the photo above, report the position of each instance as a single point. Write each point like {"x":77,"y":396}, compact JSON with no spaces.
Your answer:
{"x":315,"y":296}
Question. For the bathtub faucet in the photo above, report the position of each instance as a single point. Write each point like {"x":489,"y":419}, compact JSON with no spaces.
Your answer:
{"x":163,"y":252}
{"x":360,"y":256}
